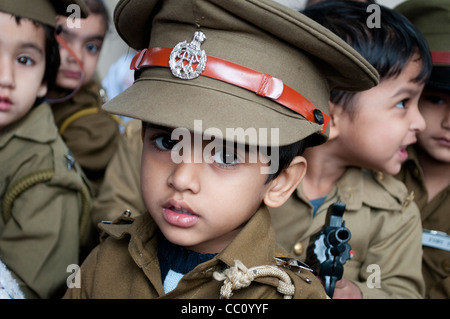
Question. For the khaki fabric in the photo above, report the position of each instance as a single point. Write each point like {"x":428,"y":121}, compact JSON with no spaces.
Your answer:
{"x":121,"y":188}
{"x":435,"y":216}
{"x":385,"y":231}
{"x":92,"y":138}
{"x":125,"y":265}
{"x":41,"y":238}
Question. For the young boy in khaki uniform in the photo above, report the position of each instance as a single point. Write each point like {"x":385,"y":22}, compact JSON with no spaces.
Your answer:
{"x":207,"y":222}
{"x":369,"y":132}
{"x":91,"y":134}
{"x":45,"y":204}
{"x":427,"y":170}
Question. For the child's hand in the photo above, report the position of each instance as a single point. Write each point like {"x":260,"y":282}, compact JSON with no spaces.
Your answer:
{"x":345,"y":289}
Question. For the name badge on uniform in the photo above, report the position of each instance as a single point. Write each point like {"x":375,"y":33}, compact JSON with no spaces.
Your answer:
{"x":436,"y":239}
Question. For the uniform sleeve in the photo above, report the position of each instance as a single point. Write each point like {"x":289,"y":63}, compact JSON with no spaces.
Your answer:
{"x":41,"y":239}
{"x":121,"y":186}
{"x":93,"y":140}
{"x":393,"y":264}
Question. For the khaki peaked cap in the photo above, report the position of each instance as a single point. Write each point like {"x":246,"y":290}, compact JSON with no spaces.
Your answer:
{"x":432,"y":18}
{"x":44,"y":11}
{"x":258,"y":34}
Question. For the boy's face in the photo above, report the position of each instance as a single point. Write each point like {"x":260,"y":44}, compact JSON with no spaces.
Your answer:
{"x":86,"y":42}
{"x":22,"y":67}
{"x":387,"y":120}
{"x":199,"y":205}
{"x":435,"y":139}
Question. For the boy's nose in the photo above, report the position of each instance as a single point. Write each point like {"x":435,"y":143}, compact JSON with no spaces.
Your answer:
{"x":73,"y":53}
{"x":186,"y":177}
{"x":6,"y":75}
{"x":446,"y":118}
{"x":418,"y":122}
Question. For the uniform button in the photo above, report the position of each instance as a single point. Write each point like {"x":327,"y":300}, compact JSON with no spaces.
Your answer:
{"x":298,"y":248}
{"x":446,"y":266}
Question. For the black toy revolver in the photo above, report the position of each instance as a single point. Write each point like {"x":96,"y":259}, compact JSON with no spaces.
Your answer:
{"x":328,"y":250}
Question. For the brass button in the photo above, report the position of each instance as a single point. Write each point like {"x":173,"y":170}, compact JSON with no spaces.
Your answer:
{"x":446,"y":266}
{"x":298,"y":248}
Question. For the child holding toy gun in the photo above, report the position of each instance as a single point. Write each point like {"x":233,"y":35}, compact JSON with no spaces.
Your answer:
{"x":369,"y":132}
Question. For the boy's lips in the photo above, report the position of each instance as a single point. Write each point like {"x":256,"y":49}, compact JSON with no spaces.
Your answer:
{"x":403,"y":154}
{"x":179,"y":214}
{"x":5,"y":103}
{"x":443,"y":140}
{"x":71,"y":74}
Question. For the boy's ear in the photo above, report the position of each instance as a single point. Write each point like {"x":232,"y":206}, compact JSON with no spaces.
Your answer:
{"x":281,"y":188}
{"x":335,"y":112}
{"x":42,"y":90}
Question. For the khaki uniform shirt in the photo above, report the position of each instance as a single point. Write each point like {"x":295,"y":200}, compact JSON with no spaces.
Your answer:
{"x":126,"y":265}
{"x":92,"y":138}
{"x":385,"y":231}
{"x":121,"y":188}
{"x":435,"y":216}
{"x":41,"y":237}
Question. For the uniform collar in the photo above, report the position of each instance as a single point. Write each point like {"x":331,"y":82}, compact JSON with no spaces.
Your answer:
{"x":358,"y":187}
{"x":257,"y":230}
{"x":37,"y":125}
{"x":143,"y":233}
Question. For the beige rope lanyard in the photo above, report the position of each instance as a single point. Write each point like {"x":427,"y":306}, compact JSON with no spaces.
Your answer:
{"x":239,"y":276}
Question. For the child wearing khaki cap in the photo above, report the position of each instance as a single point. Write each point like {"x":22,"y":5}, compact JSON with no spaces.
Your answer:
{"x":43,"y":197}
{"x":230,"y":93}
{"x":427,"y":170}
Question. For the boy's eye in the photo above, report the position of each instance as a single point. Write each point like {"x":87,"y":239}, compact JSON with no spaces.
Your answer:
{"x":401,"y":104}
{"x":25,"y":60}
{"x":164,"y":142}
{"x":434,"y":99}
{"x":225,"y":157}
{"x":92,"y":48}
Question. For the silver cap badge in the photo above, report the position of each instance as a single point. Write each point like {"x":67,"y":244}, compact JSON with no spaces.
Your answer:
{"x":187,"y":61}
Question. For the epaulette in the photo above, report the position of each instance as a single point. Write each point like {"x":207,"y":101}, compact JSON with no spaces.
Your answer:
{"x":117,"y":228}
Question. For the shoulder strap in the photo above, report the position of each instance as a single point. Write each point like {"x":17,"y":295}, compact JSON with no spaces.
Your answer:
{"x":92,"y":110}
{"x":43,"y":176}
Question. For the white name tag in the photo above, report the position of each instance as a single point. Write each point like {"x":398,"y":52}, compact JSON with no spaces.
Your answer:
{"x":436,"y":239}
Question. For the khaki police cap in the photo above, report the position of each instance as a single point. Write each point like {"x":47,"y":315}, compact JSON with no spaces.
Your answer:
{"x":266,"y":67}
{"x":44,"y":11}
{"x":432,"y":17}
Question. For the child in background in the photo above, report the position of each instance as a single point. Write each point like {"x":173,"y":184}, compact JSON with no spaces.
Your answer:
{"x":427,"y":170}
{"x":45,"y":204}
{"x":207,"y":222}
{"x":91,"y":134}
{"x":369,"y":132}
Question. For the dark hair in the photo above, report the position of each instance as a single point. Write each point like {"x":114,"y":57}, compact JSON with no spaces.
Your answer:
{"x":52,"y":57}
{"x":286,"y":154}
{"x":388,"y":48}
{"x":99,"y":7}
